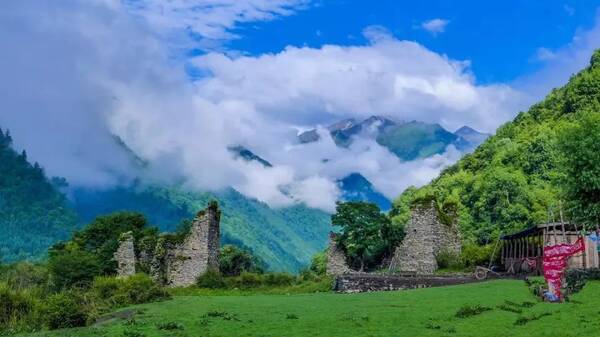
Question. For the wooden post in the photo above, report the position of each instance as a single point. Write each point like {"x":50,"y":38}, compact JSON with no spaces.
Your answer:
{"x":562,"y":224}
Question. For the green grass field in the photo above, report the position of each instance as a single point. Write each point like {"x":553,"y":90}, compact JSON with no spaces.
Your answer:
{"x":411,"y":313}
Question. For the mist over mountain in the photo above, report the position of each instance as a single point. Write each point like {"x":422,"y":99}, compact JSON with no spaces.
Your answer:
{"x":408,"y":141}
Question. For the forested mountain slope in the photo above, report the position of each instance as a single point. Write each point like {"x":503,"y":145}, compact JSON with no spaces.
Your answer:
{"x":33,"y":213}
{"x":511,"y":180}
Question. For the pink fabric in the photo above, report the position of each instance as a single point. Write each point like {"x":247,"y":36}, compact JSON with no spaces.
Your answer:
{"x":555,"y":261}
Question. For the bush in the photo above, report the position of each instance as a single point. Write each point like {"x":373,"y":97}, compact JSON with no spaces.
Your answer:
{"x":577,"y":278}
{"x":25,"y":275}
{"x":17,"y":308}
{"x":278,"y":279}
{"x":233,"y":261}
{"x":136,"y":289}
{"x":67,"y":310}
{"x":72,"y":268}
{"x":318,"y":263}
{"x":211,"y":279}
{"x":448,"y":260}
{"x":249,"y":280}
{"x":474,"y":255}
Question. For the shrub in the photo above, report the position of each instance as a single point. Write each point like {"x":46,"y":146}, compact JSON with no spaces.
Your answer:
{"x":447,"y":259}
{"x":474,"y":255}
{"x":140,"y":288}
{"x":211,"y":279}
{"x":72,"y":268}
{"x":249,"y":280}
{"x":25,"y":275}
{"x":278,"y":279}
{"x":16,"y":308}
{"x":136,"y":289}
{"x":576,"y":278}
{"x":318,"y":263}
{"x":233,"y":261}
{"x":66,"y":310}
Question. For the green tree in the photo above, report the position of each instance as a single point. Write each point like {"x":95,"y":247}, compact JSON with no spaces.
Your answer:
{"x":579,"y":144}
{"x":73,"y":267}
{"x":233,"y":261}
{"x":365,"y":233}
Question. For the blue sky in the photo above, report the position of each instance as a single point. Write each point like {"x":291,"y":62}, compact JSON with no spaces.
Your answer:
{"x":500,"y":38}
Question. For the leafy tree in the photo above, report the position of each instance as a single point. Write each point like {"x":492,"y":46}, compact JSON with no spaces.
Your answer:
{"x":73,"y":267}
{"x":365,"y":233}
{"x":233,"y":261}
{"x":101,"y":237}
{"x":579,"y":145}
{"x":318,"y":263}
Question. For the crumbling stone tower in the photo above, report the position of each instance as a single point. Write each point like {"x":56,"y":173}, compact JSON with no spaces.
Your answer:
{"x":198,"y":252}
{"x":336,"y":259}
{"x":426,"y":236}
{"x":175,"y":260}
{"x":125,"y":256}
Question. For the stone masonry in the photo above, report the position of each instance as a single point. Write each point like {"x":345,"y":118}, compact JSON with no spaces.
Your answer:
{"x":175,"y":263}
{"x":426,"y":237}
{"x":336,"y":259}
{"x":198,"y":253}
{"x":125,"y":256}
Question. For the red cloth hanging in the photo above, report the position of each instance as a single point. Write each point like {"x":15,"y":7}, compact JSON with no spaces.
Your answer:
{"x":555,"y":261}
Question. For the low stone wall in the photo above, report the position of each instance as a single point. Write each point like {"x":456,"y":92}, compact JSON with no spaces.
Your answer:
{"x":351,"y":283}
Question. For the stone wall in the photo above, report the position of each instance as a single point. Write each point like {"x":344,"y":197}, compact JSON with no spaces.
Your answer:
{"x":426,"y":237}
{"x":352,"y":283}
{"x":175,"y":261}
{"x":199,"y":251}
{"x":336,"y":259}
{"x":125,"y":256}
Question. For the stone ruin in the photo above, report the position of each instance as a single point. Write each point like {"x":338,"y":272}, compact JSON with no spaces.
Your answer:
{"x":336,"y":259}
{"x":125,"y":256}
{"x":175,"y":262}
{"x":426,"y":236}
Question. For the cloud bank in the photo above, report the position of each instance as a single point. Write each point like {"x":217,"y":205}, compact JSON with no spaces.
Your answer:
{"x":86,"y":83}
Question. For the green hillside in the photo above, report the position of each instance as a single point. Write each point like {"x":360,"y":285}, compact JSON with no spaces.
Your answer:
{"x":285,"y":238}
{"x":513,"y":179}
{"x":415,"y":140}
{"x":33,"y":213}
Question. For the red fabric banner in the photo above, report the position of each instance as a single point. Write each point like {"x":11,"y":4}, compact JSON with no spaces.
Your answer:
{"x":555,"y":261}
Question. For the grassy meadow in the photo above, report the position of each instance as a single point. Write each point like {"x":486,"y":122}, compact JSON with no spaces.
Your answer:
{"x":495,"y":308}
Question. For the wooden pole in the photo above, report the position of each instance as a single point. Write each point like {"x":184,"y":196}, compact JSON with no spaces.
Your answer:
{"x":562,"y":224}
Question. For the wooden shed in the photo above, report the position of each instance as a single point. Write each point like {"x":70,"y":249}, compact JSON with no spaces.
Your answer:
{"x":523,"y":252}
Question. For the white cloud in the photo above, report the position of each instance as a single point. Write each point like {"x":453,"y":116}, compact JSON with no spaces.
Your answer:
{"x":544,"y":54}
{"x":212,"y":21}
{"x":402,"y":79}
{"x":435,"y":26}
{"x":570,"y":10}
{"x":76,"y":74}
